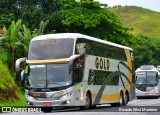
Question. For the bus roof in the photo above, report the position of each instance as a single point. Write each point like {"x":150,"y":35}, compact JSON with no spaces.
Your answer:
{"x":147,"y":68}
{"x":78,"y":35}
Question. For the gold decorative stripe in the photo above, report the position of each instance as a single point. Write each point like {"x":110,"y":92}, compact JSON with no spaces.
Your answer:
{"x":48,"y":61}
{"x":108,"y":97}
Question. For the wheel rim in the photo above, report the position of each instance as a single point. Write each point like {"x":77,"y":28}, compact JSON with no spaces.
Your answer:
{"x":125,"y":99}
{"x":121,"y":100}
{"x":87,"y":101}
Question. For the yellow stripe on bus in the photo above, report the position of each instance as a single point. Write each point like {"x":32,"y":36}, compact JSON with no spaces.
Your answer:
{"x":129,"y":60}
{"x":128,"y":55}
{"x":108,"y":97}
{"x":48,"y":61}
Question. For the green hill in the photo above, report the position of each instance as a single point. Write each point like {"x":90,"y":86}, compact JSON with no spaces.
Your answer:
{"x":143,"y":21}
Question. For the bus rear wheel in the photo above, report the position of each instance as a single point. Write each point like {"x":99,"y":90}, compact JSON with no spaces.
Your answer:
{"x":126,"y":99}
{"x":121,"y":101}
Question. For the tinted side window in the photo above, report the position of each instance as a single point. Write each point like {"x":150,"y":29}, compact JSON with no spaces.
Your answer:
{"x":114,"y":80}
{"x":84,"y":46}
{"x":97,"y":77}
{"x":77,"y":75}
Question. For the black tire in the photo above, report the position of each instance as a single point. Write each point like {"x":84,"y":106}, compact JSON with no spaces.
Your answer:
{"x":138,"y":97}
{"x":46,"y":109}
{"x":121,"y":99}
{"x":87,"y":104}
{"x":93,"y":106}
{"x":157,"y":97}
{"x":126,"y":99}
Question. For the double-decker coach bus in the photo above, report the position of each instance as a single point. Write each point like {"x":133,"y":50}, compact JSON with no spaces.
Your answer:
{"x":147,"y":81}
{"x":71,"y":69}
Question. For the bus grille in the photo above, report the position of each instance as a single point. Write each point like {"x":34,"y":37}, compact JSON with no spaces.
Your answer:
{"x":142,"y":88}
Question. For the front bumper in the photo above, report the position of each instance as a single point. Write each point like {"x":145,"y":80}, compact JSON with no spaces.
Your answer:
{"x":53,"y":103}
{"x":150,"y":91}
{"x":54,"y":98}
{"x":146,"y":94}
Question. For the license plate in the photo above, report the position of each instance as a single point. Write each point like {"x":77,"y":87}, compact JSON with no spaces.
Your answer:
{"x":146,"y":93}
{"x":47,"y":103}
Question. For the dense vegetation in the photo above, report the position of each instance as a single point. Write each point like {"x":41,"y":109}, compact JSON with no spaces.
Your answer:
{"x":21,"y":20}
{"x":7,"y":84}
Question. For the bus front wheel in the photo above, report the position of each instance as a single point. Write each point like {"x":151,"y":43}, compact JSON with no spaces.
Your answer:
{"x":87,"y":102}
{"x":46,"y":109}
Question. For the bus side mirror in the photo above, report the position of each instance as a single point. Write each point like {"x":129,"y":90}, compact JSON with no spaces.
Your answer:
{"x":18,"y":63}
{"x":71,"y":60}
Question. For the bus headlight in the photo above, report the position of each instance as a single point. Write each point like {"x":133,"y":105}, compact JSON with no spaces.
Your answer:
{"x":30,"y":98}
{"x":137,"y":91}
{"x":63,"y":97}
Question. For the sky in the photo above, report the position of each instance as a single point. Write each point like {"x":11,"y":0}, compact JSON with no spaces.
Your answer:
{"x":149,"y":4}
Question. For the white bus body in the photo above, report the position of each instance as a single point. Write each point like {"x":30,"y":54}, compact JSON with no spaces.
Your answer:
{"x":147,"y":81}
{"x":87,"y":71}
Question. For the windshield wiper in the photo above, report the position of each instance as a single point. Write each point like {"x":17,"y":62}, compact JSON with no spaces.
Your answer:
{"x":142,"y":83}
{"x":149,"y":83}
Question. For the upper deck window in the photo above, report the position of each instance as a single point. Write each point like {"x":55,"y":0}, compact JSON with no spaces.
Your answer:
{"x":85,"y":46}
{"x":50,"y":49}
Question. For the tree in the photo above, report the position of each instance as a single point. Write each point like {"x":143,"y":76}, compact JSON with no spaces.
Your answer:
{"x":10,"y":39}
{"x":41,"y":29}
{"x":156,"y":51}
{"x":33,"y":12}
{"x":17,"y":37}
{"x":81,"y":16}
{"x":88,"y":17}
{"x":144,"y":51}
{"x":6,"y":12}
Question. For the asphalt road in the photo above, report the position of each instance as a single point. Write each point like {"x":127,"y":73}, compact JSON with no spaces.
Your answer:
{"x":144,"y":106}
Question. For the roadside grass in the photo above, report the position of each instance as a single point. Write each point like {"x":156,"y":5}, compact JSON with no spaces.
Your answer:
{"x":10,"y":93}
{"x":11,"y":102}
{"x":14,"y":103}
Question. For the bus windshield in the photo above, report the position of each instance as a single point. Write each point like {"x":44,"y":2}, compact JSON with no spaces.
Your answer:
{"x":147,"y":78}
{"x":50,"y":49}
{"x":48,"y":76}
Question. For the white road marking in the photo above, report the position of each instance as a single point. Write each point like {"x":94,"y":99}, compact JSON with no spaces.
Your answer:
{"x":144,"y":102}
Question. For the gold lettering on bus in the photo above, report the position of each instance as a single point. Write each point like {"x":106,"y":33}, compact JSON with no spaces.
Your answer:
{"x":102,"y":63}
